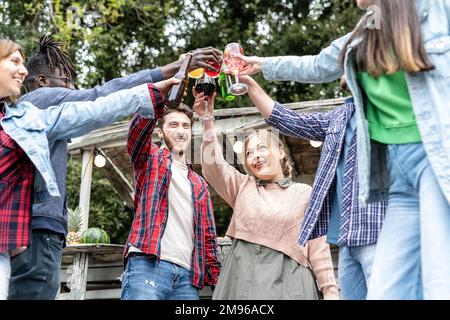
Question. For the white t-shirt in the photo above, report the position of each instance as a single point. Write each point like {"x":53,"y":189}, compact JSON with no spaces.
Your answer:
{"x":177,"y":242}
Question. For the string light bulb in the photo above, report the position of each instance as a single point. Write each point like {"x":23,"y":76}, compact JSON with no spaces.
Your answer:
{"x":315,"y":144}
{"x":238,"y":147}
{"x":99,"y":160}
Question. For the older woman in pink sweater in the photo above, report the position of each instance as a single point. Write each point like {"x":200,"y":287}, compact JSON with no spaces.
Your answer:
{"x":265,"y":260}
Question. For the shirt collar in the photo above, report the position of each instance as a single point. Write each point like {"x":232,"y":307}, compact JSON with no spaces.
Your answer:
{"x":284,"y":183}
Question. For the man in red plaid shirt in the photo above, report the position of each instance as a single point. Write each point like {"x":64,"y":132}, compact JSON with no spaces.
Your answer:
{"x":171,"y":251}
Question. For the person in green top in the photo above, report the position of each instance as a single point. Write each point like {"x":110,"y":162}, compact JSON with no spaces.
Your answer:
{"x":389,"y":111}
{"x":396,"y":62}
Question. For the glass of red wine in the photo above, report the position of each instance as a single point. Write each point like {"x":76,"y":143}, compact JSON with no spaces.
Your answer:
{"x":210,"y":72}
{"x":208,"y":86}
{"x":234,"y":65}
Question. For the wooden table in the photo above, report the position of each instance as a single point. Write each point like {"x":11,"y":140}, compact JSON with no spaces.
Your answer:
{"x":105,"y":265}
{"x":93,"y":271}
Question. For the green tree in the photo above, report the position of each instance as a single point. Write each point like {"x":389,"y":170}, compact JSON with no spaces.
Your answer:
{"x":106,"y":210}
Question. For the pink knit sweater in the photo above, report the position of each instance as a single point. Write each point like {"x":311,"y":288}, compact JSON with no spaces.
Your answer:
{"x":268,"y":215}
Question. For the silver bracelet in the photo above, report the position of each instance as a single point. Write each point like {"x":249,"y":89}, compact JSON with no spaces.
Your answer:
{"x":207,"y":117}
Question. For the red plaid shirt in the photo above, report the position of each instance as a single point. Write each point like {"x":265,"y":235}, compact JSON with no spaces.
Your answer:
{"x":16,"y":192}
{"x":151,"y":167}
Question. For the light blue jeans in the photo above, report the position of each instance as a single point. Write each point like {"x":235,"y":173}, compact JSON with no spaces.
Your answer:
{"x":5,"y":274}
{"x":412,"y":259}
{"x":145,"y":279}
{"x":355,"y":266}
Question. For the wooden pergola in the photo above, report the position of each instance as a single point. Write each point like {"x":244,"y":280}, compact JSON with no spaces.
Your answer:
{"x":231,"y":125}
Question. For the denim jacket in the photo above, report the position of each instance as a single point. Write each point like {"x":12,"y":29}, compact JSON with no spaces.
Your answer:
{"x":429,"y":93}
{"x":33,"y":129}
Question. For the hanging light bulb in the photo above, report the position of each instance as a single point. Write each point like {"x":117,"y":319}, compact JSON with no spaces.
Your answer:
{"x":315,"y":144}
{"x":99,"y":160}
{"x":238,"y":146}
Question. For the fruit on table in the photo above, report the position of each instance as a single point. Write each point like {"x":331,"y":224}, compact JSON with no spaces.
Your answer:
{"x":94,"y":235}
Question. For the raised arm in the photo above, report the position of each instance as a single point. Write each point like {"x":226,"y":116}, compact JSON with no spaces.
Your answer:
{"x":319,"y":257}
{"x":224,"y":178}
{"x":320,"y":68}
{"x":311,"y":126}
{"x":72,"y":119}
{"x":45,"y":97}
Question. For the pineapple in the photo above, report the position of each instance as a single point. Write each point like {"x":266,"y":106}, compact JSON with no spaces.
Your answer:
{"x":74,"y":225}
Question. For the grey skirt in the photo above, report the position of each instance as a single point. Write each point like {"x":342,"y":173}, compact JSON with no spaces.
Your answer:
{"x":255,"y":272}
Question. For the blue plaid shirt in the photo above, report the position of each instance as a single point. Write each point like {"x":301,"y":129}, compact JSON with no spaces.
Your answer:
{"x":358,"y":226}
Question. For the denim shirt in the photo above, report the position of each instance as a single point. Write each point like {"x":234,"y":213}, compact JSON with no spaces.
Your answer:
{"x":429,"y":94}
{"x":52,"y":215}
{"x":33,"y":129}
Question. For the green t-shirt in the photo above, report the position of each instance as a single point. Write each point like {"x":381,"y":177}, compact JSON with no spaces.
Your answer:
{"x":389,"y":109}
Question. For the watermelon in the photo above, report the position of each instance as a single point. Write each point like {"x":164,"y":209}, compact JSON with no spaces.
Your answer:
{"x":94,"y":235}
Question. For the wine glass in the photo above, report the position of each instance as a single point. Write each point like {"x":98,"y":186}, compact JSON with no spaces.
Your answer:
{"x":235,"y":65}
{"x":208,"y":86}
{"x":197,"y":73}
{"x":216,"y":65}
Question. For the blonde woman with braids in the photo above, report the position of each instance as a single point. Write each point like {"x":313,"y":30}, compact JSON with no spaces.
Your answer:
{"x":265,"y":260}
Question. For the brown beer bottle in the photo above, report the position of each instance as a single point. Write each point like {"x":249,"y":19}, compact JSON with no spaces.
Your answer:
{"x":176,"y":92}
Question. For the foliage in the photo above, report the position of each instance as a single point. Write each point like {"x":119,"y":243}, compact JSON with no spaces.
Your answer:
{"x":106,"y":211}
{"x":111,"y":38}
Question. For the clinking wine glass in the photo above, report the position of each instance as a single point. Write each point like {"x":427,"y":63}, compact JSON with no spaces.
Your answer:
{"x":235,"y":65}
{"x":208,"y":86}
{"x":197,"y":73}
{"x":210,"y":72}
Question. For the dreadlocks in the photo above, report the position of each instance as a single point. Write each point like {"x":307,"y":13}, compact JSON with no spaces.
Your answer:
{"x":48,"y":56}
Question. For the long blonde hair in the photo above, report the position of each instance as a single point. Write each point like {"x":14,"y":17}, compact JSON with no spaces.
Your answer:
{"x":397,"y":43}
{"x":7,"y":48}
{"x":272,"y":140}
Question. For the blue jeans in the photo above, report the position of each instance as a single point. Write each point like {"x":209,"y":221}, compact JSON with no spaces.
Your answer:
{"x":36,"y":272}
{"x":412,"y":259}
{"x":145,"y":279}
{"x":355,"y":266}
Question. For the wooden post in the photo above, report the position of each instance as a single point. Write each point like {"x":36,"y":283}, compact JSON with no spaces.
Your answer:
{"x":81,"y":261}
{"x":79,"y":276}
{"x":85,"y":188}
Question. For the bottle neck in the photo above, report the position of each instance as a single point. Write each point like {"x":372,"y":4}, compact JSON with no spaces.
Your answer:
{"x":185,"y":65}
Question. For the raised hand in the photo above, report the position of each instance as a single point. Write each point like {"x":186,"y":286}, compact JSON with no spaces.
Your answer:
{"x":250,"y":65}
{"x":201,"y":56}
{"x":203,"y":105}
{"x":164,"y":86}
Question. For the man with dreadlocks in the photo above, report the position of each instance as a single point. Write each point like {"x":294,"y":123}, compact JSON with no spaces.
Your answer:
{"x":35,"y":274}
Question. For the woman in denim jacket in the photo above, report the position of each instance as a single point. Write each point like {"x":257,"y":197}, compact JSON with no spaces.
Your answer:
{"x":397,"y":66}
{"x":26,"y":175}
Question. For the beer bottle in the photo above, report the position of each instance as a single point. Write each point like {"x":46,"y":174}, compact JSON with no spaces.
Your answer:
{"x":176,"y":92}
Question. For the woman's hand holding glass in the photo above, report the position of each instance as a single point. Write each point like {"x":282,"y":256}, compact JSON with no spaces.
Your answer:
{"x":203,"y":105}
{"x":234,"y":65}
{"x":249,"y":65}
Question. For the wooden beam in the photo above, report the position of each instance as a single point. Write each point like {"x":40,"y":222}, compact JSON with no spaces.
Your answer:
{"x":118,"y":179}
{"x":115,"y":135}
{"x":79,"y":276}
{"x":85,"y":187}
